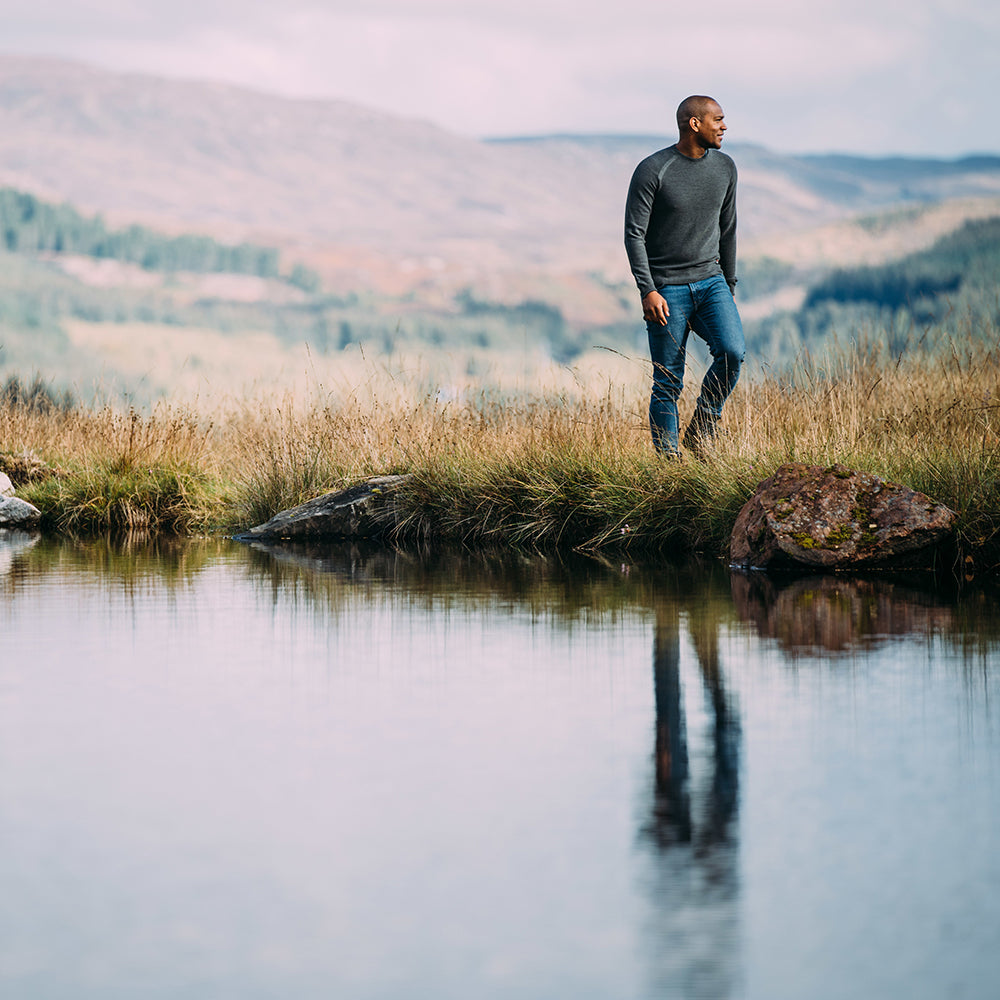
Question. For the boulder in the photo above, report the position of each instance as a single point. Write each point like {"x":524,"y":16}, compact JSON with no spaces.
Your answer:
{"x":6,"y":486}
{"x":837,"y":518}
{"x":18,"y":513}
{"x":365,"y":510}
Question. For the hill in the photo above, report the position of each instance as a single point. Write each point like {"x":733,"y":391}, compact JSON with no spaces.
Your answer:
{"x":929,"y":296}
{"x":366,"y":228}
{"x":314,"y":174}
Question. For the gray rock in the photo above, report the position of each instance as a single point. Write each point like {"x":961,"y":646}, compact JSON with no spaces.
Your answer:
{"x":18,"y":513}
{"x":837,"y":518}
{"x":6,"y":486}
{"x":365,"y":510}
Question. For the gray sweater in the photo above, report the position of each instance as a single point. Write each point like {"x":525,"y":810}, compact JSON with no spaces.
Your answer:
{"x":680,"y":219}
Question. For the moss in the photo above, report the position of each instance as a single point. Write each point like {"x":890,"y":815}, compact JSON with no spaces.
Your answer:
{"x":838,"y":536}
{"x":839,"y":471}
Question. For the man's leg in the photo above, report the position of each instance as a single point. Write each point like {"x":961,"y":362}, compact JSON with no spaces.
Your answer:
{"x":667,"y":347}
{"x":716,"y":320}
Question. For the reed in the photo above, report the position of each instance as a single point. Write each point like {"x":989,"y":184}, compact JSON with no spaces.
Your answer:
{"x":567,"y":465}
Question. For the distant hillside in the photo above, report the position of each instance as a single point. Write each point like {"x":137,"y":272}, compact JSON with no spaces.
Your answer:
{"x":328,"y":173}
{"x":239,"y":162}
{"x":140,"y":312}
{"x":30,"y":225}
{"x":779,"y":191}
{"x":948,"y":290}
{"x":140,"y":197}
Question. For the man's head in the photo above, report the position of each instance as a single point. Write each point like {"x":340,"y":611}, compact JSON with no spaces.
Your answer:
{"x":700,"y":120}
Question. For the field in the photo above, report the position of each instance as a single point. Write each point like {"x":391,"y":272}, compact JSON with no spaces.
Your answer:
{"x":559,"y":462}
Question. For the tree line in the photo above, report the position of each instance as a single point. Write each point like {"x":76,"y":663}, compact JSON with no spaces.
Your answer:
{"x":30,"y":225}
{"x":965,"y":255}
{"x":948,"y":288}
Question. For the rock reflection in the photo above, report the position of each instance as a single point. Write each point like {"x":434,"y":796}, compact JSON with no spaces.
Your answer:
{"x":834,"y":613}
{"x":13,"y":546}
{"x":693,"y":822}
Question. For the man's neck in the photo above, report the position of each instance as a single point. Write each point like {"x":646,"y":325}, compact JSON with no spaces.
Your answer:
{"x":690,"y":147}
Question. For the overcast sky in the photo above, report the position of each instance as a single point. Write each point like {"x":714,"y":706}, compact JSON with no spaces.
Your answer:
{"x":868,"y":76}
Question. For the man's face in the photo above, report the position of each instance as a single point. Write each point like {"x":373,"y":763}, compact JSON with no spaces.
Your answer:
{"x":711,"y":126}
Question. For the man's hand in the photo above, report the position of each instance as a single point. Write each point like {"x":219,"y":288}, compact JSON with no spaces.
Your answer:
{"x":654,"y":308}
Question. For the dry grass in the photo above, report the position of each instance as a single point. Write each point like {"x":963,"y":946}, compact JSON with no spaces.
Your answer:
{"x":570,"y":464}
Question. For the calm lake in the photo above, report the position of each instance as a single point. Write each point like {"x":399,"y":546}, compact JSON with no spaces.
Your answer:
{"x":229,"y":772}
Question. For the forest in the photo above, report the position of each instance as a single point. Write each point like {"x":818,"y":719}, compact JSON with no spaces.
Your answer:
{"x":949,"y":288}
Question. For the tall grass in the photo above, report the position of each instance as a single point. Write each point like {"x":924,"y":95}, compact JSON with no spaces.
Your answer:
{"x":106,"y":470}
{"x":569,"y":464}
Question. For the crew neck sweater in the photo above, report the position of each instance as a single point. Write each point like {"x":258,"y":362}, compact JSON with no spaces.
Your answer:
{"x":680,"y":219}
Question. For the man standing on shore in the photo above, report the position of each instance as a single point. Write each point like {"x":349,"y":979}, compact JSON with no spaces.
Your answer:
{"x":680,"y":236}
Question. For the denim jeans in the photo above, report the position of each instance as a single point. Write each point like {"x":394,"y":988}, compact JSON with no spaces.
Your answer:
{"x":707,"y":307}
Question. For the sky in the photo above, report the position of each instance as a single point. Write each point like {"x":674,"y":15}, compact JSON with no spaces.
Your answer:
{"x":876,"y":77}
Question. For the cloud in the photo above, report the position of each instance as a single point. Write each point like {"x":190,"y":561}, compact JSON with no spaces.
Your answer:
{"x":789,"y":74}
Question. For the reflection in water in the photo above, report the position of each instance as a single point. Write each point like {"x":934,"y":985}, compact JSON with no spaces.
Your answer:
{"x":694,"y":815}
{"x":13,"y":545}
{"x":325,"y":771}
{"x":564,"y":587}
{"x":129,"y":564}
{"x":834,"y":613}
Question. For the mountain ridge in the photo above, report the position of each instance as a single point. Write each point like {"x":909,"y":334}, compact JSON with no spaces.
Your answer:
{"x":328,"y":173}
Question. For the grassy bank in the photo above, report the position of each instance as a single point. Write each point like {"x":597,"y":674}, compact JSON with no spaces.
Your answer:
{"x":564,"y":467}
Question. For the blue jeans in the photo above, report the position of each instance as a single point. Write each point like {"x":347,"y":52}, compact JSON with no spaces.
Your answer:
{"x":707,"y":307}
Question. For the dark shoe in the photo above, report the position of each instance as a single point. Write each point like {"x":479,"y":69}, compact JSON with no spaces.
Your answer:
{"x":700,"y":435}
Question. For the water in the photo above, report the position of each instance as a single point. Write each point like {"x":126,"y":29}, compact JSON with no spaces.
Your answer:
{"x":229,"y":772}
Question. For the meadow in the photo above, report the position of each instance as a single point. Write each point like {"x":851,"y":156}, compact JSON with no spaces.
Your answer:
{"x":556,"y":461}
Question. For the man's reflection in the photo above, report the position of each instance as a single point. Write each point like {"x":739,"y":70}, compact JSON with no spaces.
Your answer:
{"x":672,"y":802}
{"x":693,"y":825}
{"x":672,"y":820}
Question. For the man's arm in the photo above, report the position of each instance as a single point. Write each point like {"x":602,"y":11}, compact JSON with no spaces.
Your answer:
{"x":727,"y":234}
{"x":638,"y":207}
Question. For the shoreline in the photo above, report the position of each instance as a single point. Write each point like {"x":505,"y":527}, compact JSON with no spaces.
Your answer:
{"x":664,"y":509}
{"x":549,"y":472}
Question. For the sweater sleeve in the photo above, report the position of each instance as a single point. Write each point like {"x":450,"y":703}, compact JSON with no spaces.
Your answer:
{"x":727,"y":234}
{"x":638,"y":207}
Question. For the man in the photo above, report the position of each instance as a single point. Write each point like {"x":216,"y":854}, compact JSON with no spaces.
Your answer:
{"x":680,"y":236}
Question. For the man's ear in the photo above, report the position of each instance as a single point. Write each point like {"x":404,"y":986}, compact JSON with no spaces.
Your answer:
{"x":692,"y":123}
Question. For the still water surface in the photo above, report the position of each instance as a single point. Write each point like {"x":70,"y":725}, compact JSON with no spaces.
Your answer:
{"x":229,"y":772}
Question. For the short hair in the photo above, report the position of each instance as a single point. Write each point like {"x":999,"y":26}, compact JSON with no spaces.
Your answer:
{"x":695,"y":106}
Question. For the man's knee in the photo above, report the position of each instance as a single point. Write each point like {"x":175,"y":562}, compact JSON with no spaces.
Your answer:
{"x":666,"y":387}
{"x":731,"y":356}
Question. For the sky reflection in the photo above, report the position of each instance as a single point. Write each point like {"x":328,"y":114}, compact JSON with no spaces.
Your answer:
{"x":247,"y":772}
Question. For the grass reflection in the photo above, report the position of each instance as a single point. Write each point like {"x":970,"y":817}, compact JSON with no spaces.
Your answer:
{"x":566,"y":587}
{"x":803,"y":615}
{"x":119,"y":561}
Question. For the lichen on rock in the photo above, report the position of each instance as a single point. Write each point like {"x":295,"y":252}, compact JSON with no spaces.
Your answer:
{"x":837,"y":517}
